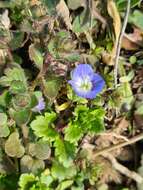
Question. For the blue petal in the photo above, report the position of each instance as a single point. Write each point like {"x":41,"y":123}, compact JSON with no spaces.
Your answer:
{"x":82,"y":70}
{"x":88,"y":95}
{"x":98,"y":83}
{"x":71,"y":82}
{"x":40,"y":106}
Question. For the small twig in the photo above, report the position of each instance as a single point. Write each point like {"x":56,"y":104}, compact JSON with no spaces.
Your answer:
{"x":122,"y":169}
{"x":99,"y":17}
{"x":119,"y":41}
{"x":26,"y":39}
{"x":115,"y":135}
{"x":113,"y":147}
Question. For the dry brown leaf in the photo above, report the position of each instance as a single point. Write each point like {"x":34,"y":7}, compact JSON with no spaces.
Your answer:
{"x":3,"y":55}
{"x":132,"y":41}
{"x":107,"y":58}
{"x":5,"y":19}
{"x":108,"y":173}
{"x":128,"y":45}
{"x":63,"y":12}
{"x":113,"y":12}
{"x":126,"y":154}
{"x":121,"y":125}
{"x":113,"y":136}
{"x":136,"y":36}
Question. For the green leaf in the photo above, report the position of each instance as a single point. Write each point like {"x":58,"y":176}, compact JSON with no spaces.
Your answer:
{"x":61,"y":43}
{"x":9,"y":181}
{"x":3,"y":119}
{"x":95,"y":120}
{"x":17,"y":87}
{"x":26,"y":163}
{"x":80,"y":112}
{"x":63,"y":35}
{"x":137,"y":19}
{"x":58,"y":171}
{"x":52,"y":86}
{"x":42,"y":126}
{"x":121,"y":4}
{"x":73,"y":132}
{"x":5,"y":98}
{"x":21,"y":116}
{"x":77,"y":188}
{"x":30,"y":164}
{"x":71,"y":57}
{"x":125,"y":93}
{"x":82,"y":23}
{"x":133,"y":59}
{"x":21,"y":101}
{"x":127,"y":78}
{"x":13,"y":146}
{"x":46,"y":178}
{"x":4,"y":131}
{"x":26,"y":181}
{"x":38,"y":165}
{"x":64,"y":151}
{"x":34,"y":101}
{"x":50,"y":5}
{"x":15,"y":74}
{"x":64,"y":185}
{"x":40,"y":150}
{"x":36,"y":55}
{"x":85,"y":121}
{"x":17,"y":40}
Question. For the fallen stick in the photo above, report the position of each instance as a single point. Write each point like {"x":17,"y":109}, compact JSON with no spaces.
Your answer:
{"x":122,"y":169}
{"x":119,"y":145}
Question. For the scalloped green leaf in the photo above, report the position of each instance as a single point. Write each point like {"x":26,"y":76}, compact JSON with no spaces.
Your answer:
{"x":59,"y":172}
{"x":31,"y":164}
{"x":65,"y":151}
{"x":40,"y":150}
{"x":43,"y":126}
{"x":13,"y":146}
{"x":36,"y":55}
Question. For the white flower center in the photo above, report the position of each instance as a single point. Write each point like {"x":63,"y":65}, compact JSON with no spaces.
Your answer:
{"x":84,"y":84}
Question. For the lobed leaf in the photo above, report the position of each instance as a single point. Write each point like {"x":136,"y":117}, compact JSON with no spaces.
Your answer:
{"x":42,"y":126}
{"x":13,"y":146}
{"x":65,"y":151}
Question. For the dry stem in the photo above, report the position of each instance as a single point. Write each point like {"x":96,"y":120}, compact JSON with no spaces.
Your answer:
{"x":119,"y":41}
{"x":113,"y":147}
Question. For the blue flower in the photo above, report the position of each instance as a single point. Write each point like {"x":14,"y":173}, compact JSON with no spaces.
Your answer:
{"x":40,"y":106}
{"x":85,"y":82}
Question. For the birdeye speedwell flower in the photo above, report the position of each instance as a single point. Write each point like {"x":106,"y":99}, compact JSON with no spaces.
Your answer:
{"x":40,"y":106}
{"x":85,"y":82}
{"x":41,"y":103}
